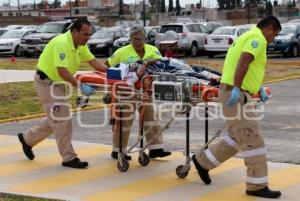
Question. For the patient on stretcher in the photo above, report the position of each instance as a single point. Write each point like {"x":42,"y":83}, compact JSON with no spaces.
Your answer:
{"x":135,"y":71}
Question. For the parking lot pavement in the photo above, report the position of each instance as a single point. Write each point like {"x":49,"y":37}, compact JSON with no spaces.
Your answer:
{"x":45,"y":177}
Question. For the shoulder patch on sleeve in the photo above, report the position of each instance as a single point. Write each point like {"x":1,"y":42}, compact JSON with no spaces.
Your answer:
{"x":254,"y":44}
{"x":62,"y":56}
{"x":158,"y":53}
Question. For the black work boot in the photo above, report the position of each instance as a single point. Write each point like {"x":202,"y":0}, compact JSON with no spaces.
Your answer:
{"x":265,"y":193}
{"x":154,"y":153}
{"x":203,"y":173}
{"x":75,"y":163}
{"x":26,"y":148}
{"x":114,"y":155}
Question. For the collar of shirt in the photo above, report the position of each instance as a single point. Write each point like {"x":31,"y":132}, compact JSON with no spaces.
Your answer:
{"x":70,"y":40}
{"x":258,"y":30}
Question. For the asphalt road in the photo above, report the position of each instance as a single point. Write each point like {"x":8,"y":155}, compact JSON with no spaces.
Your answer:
{"x":280,"y":126}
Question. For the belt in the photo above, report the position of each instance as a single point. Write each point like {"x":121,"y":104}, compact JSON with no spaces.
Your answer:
{"x":227,"y":87}
{"x":42,"y":75}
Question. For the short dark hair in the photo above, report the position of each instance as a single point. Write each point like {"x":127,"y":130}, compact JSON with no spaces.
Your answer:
{"x":269,"y":20}
{"x":79,"y":22}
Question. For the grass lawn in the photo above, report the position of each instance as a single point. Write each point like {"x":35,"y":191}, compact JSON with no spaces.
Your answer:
{"x":20,"y":99}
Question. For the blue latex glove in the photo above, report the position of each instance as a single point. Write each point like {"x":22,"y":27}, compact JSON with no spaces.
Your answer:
{"x":87,"y":89}
{"x":264,"y":97}
{"x":234,"y":97}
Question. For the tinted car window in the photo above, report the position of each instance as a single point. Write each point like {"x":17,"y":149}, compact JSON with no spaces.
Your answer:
{"x":190,"y":28}
{"x":224,"y":31}
{"x":203,"y":29}
{"x":176,"y":28}
{"x":288,"y":30}
{"x":241,"y":31}
{"x":12,"y":34}
{"x":103,"y":34}
{"x":51,"y":28}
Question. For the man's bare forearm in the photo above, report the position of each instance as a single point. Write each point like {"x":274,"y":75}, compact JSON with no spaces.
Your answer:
{"x":242,"y":68}
{"x":98,"y":65}
{"x":67,"y":76}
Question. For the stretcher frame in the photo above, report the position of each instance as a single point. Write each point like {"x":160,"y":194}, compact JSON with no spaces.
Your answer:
{"x":200,"y":94}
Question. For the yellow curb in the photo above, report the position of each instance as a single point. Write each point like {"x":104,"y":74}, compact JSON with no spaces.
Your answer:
{"x":283,"y":79}
{"x":35,"y":116}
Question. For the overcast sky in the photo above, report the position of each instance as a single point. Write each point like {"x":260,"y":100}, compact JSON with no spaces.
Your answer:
{"x":207,"y":3}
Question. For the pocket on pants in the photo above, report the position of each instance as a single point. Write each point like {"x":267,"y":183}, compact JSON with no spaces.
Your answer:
{"x":60,"y":112}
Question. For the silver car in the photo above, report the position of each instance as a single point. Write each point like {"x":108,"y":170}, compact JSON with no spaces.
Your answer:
{"x":185,"y":37}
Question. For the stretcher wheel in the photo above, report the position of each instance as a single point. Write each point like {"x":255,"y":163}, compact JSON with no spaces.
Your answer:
{"x":180,"y":172}
{"x":145,"y":160}
{"x":124,"y":167}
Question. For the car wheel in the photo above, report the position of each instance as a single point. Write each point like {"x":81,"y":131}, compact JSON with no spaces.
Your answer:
{"x":18,"y":52}
{"x":194,"y":50}
{"x":28,"y":55}
{"x":294,"y":51}
{"x":210,"y":54}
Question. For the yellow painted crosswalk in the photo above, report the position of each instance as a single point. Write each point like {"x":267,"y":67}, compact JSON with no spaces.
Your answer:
{"x":162,"y":182}
{"x":45,"y":177}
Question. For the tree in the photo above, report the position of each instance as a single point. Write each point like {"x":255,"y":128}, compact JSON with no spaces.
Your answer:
{"x":76,"y":3}
{"x":229,"y":4}
{"x":178,"y":8}
{"x":56,"y":4}
{"x":42,"y":5}
{"x":162,"y":6}
{"x":294,"y":4}
{"x":269,"y":8}
{"x":121,"y":12}
{"x":171,"y":8}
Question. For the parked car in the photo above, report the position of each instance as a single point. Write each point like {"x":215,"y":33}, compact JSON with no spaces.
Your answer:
{"x":2,"y":31}
{"x":33,"y":27}
{"x":221,"y":39}
{"x":287,"y":42}
{"x":101,"y":42}
{"x":15,"y":26}
{"x":10,"y":41}
{"x":35,"y":43}
{"x":186,"y":37}
{"x":150,"y":36}
{"x":294,"y":21}
{"x":211,"y":26}
{"x":122,"y":41}
{"x":151,"y":33}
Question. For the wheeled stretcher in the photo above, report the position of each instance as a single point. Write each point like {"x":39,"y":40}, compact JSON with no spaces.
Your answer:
{"x":157,"y":87}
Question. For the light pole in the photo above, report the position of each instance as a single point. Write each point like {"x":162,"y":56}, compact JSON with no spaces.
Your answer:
{"x":144,"y":13}
{"x":70,"y":2}
{"x":203,"y":11}
{"x":266,"y":8}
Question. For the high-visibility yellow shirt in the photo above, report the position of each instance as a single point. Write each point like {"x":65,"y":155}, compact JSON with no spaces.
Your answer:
{"x":252,"y":42}
{"x":61,"y":52}
{"x":128,"y":55}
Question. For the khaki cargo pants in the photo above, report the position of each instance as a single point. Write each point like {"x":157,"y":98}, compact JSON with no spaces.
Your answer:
{"x":153,"y":138}
{"x":57,"y":121}
{"x":243,"y":135}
